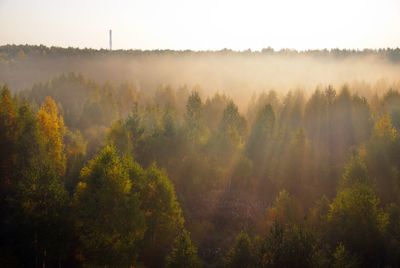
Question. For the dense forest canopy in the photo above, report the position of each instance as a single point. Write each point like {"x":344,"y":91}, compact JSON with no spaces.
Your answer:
{"x":100,"y":172}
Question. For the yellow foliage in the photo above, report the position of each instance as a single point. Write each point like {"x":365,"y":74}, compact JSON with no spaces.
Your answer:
{"x":51,"y":126}
{"x":81,"y":186}
{"x":384,"y":129}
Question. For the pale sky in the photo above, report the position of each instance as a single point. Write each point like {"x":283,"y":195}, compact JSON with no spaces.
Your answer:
{"x":202,"y":25}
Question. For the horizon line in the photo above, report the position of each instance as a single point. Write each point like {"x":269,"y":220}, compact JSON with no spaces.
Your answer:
{"x":226,"y":49}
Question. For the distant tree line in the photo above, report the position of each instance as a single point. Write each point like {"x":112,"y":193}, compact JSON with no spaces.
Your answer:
{"x":18,"y":52}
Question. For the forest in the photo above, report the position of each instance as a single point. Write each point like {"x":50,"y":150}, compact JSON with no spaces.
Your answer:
{"x":100,"y":173}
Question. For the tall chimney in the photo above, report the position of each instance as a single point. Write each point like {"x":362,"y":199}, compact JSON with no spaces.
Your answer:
{"x":110,"y":40}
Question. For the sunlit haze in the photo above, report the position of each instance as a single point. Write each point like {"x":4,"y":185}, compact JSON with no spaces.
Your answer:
{"x":213,"y":133}
{"x":202,"y":25}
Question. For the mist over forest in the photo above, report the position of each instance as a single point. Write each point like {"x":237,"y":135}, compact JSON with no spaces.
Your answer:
{"x":238,"y":74}
{"x":199,"y":158}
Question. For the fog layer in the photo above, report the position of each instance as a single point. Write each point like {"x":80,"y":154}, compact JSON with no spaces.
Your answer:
{"x":237,"y":73}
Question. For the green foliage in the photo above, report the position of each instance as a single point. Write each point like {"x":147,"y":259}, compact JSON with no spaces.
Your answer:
{"x":391,"y":104}
{"x":361,"y":119}
{"x":356,"y":220}
{"x":232,"y":123}
{"x":286,"y":246}
{"x":127,"y":135}
{"x":261,"y":135}
{"x":183,"y":253}
{"x":163,"y":216}
{"x":355,"y":172}
{"x":121,"y":138}
{"x":342,"y":258}
{"x":392,"y":235}
{"x":381,"y":157}
{"x":318,"y":215}
{"x":243,"y":254}
{"x":75,"y":152}
{"x":284,"y":210}
{"x":229,"y":136}
{"x":8,"y":127}
{"x":39,"y":199}
{"x":107,"y":211}
{"x":194,"y":119}
{"x":296,"y":164}
{"x":213,"y":110}
{"x":320,"y":176}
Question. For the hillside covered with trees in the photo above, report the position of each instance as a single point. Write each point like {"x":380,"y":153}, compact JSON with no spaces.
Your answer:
{"x":112,"y":175}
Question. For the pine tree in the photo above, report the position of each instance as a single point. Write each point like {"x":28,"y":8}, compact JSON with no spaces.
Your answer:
{"x":183,"y":253}
{"x":243,"y":254}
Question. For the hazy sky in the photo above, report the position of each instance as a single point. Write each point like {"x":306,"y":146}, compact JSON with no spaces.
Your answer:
{"x":202,"y":25}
